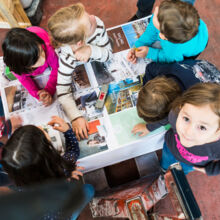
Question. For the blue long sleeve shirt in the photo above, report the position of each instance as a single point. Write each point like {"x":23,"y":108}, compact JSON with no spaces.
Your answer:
{"x":172,"y":52}
{"x":72,"y":145}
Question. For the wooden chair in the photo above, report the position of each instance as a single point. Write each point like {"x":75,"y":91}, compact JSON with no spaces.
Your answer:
{"x":12,"y":14}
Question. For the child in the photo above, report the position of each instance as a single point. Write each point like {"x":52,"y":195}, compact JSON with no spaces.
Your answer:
{"x":153,"y":104}
{"x":82,"y":38}
{"x":157,"y":94}
{"x":29,"y":157}
{"x":194,"y":139}
{"x":33,"y":53}
{"x":177,"y":28}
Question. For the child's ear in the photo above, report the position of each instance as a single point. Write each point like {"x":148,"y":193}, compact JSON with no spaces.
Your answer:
{"x":162,"y":36}
{"x":156,"y":10}
{"x":80,"y":43}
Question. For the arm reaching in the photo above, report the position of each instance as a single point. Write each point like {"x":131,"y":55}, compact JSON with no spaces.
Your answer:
{"x":141,"y":129}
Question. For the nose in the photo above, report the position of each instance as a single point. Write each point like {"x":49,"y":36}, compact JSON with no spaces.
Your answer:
{"x":189,"y":131}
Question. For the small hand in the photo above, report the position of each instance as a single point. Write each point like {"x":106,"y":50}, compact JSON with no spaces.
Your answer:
{"x":83,"y":53}
{"x":141,"y":51}
{"x":58,"y":124}
{"x":76,"y":173}
{"x":45,"y":97}
{"x":80,"y":127}
{"x":202,"y":170}
{"x":140,"y":128}
{"x":131,"y":57}
{"x":16,"y":122}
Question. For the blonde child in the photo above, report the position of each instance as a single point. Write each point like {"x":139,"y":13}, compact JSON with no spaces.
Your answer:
{"x":194,"y":139}
{"x":81,"y":38}
{"x":178,"y":31}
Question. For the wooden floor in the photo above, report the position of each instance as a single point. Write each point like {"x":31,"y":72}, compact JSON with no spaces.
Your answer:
{"x":114,"y":12}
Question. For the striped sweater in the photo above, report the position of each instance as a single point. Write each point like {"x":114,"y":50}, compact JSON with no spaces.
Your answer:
{"x":101,"y":51}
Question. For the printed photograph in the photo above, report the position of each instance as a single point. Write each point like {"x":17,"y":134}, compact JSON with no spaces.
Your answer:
{"x":119,"y":41}
{"x":134,"y":30}
{"x":80,"y":79}
{"x":118,"y":68}
{"x":122,"y":95}
{"x":96,"y":142}
{"x":18,"y":98}
{"x":86,"y":104}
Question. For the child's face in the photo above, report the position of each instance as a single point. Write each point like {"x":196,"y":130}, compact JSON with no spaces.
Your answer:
{"x":41,"y":59}
{"x":197,"y":125}
{"x":155,"y":19}
{"x":157,"y":24}
{"x":89,"y":23}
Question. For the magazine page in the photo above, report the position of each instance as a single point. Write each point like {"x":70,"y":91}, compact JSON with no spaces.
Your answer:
{"x":124,"y":36}
{"x":17,"y":101}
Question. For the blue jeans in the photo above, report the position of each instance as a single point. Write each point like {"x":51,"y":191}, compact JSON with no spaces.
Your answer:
{"x":88,"y":194}
{"x":168,"y":159}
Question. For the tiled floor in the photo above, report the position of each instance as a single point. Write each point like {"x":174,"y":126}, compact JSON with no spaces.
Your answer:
{"x":114,"y":12}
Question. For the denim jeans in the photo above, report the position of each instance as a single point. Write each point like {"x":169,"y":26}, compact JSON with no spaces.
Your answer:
{"x":168,"y":159}
{"x":89,"y":193}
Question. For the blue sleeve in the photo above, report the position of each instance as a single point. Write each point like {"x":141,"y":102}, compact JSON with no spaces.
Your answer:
{"x":151,"y":71}
{"x":150,"y":35}
{"x":156,"y":125}
{"x":72,"y":146}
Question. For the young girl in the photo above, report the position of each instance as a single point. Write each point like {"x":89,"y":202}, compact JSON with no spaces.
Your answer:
{"x":28,"y":52}
{"x":29,"y":158}
{"x":194,"y":139}
{"x":82,"y":38}
{"x":178,"y":31}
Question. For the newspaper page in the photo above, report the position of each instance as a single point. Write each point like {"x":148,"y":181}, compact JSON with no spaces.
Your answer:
{"x":109,"y":128}
{"x":17,"y":101}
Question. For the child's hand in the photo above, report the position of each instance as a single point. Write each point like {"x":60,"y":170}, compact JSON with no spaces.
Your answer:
{"x":202,"y":170}
{"x":131,"y":57}
{"x":141,"y":51}
{"x":140,"y":128}
{"x":16,"y":122}
{"x":76,"y":173}
{"x":80,"y":127}
{"x":45,"y":97}
{"x":58,"y":124}
{"x":83,"y":53}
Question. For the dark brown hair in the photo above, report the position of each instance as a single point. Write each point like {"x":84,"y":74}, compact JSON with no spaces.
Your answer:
{"x":155,"y":98}
{"x":179,"y":21}
{"x":21,"y":50}
{"x":200,"y":94}
{"x":29,"y":157}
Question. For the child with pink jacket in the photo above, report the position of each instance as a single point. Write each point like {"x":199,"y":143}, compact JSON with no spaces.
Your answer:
{"x":28,"y":53}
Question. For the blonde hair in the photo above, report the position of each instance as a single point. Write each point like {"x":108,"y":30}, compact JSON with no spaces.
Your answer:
{"x":199,"y":95}
{"x":155,"y":98}
{"x":63,"y":25}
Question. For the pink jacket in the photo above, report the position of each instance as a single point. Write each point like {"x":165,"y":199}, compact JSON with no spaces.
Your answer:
{"x":51,"y":60}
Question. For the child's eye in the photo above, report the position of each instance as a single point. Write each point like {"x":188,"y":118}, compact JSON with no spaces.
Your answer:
{"x":185,"y":119}
{"x":202,"y":128}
